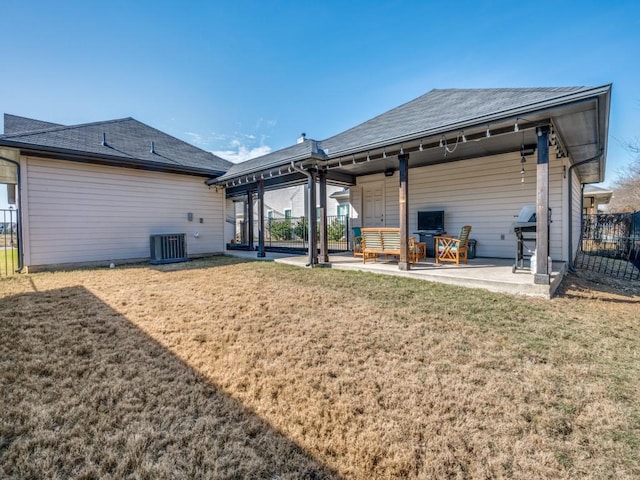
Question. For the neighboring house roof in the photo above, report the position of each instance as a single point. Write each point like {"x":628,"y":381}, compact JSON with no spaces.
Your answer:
{"x":128,"y":143}
{"x":444,"y":111}
{"x":340,"y":194}
{"x":16,"y":124}
{"x":602,"y":194}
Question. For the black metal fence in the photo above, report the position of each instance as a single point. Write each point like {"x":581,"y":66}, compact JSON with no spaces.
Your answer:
{"x":610,"y":244}
{"x":8,"y":241}
{"x":293,"y":233}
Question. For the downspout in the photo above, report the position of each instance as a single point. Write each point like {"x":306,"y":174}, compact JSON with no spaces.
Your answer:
{"x":309,"y":207}
{"x":20,"y":256}
{"x":571,"y":267}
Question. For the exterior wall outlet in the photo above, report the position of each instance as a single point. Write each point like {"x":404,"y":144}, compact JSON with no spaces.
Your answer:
{"x":502,"y":236}
{"x":201,"y":220}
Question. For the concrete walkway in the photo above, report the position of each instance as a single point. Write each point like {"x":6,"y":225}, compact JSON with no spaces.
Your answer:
{"x":492,"y":274}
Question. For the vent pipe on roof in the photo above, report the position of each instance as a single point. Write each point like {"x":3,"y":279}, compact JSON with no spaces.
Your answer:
{"x":153,"y":150}
{"x":302,"y":138}
{"x":104,"y":139}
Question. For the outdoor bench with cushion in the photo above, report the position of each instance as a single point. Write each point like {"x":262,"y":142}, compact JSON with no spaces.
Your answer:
{"x":382,"y":241}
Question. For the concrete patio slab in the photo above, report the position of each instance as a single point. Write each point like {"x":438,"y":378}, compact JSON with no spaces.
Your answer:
{"x":493,"y":274}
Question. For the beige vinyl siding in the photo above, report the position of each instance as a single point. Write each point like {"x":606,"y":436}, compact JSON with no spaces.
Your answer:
{"x":79,"y":212}
{"x":355,"y":199}
{"x":486,"y":193}
{"x":576,"y":209}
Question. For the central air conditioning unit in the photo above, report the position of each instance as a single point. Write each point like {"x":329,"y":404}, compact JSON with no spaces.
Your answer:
{"x":168,"y":248}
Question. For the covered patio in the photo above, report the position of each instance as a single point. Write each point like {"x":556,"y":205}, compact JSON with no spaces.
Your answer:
{"x":478,"y":156}
{"x":492,"y":274}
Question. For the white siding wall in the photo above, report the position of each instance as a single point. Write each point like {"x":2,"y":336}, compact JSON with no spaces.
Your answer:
{"x":230,"y":220}
{"x":78,"y":212}
{"x":290,"y":198}
{"x":293,"y":198}
{"x":576,"y":219}
{"x":355,"y":198}
{"x":485,"y":193}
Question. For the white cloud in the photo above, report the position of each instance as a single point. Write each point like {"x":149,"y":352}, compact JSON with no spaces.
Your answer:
{"x":265,"y":123}
{"x":195,"y":138}
{"x":235,"y":147}
{"x":240,"y":153}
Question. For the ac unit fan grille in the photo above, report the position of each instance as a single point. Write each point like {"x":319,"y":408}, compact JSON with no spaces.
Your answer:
{"x":168,"y":248}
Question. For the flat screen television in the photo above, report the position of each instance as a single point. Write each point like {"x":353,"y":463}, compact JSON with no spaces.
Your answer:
{"x":431,"y":220}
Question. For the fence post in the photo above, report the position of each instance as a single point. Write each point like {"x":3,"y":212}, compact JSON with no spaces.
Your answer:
{"x":348,"y":231}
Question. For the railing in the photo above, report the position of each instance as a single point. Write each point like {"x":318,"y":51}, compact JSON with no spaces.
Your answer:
{"x":610,"y":244}
{"x":8,"y":241}
{"x":293,"y":233}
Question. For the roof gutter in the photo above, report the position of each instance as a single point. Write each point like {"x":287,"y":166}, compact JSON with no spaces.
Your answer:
{"x":111,"y":160}
{"x":20,"y":253}
{"x":572,"y":267}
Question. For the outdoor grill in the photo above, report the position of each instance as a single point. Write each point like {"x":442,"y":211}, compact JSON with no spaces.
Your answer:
{"x":525,"y":230}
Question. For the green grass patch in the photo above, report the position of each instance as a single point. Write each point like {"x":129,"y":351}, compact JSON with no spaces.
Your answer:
{"x":8,"y":261}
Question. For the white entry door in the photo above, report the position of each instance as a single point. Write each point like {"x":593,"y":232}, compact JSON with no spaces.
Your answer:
{"x":373,"y":205}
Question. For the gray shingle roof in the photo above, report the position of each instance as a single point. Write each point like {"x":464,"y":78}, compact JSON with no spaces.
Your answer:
{"x":426,"y":115}
{"x":16,"y":124}
{"x":299,"y":151}
{"x":438,"y":109}
{"x":128,"y":143}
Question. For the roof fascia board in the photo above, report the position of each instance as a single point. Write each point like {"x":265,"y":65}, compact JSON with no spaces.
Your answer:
{"x":276,"y":164}
{"x":269,"y":184}
{"x":604,"y":112}
{"x":87,"y":157}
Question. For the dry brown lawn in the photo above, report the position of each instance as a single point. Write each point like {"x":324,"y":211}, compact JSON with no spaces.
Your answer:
{"x":228,"y":369}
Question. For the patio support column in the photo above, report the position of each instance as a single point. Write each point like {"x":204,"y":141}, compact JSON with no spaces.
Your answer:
{"x":324,"y":247}
{"x":542,"y":276}
{"x":260,"y":218}
{"x":250,"y":218}
{"x":403,"y":160}
{"x":312,"y":219}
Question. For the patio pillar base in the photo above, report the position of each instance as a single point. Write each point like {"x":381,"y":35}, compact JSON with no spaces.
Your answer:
{"x":541,"y":279}
{"x":404,"y":266}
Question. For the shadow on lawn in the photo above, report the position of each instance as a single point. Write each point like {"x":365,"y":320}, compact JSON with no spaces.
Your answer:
{"x":87,"y":394}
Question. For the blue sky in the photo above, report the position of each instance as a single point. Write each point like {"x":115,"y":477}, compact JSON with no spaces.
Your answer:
{"x":247,"y":77}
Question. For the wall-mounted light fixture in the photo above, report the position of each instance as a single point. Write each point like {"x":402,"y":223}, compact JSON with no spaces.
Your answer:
{"x":389,"y":172}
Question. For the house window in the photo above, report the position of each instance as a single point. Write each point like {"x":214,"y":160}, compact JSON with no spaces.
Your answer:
{"x":270,"y":214}
{"x":343,"y":210}
{"x":287,"y":213}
